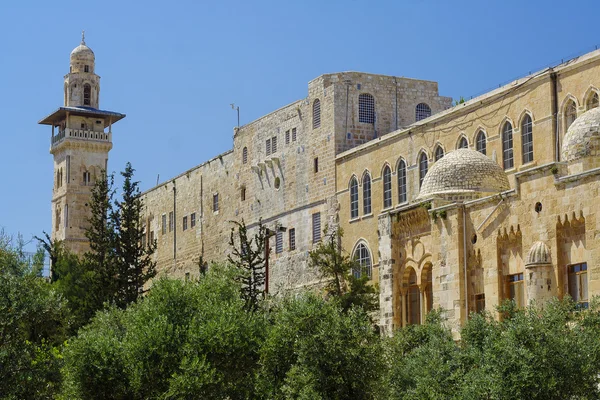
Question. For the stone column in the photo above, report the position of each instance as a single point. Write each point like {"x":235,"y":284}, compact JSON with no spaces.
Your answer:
{"x":386,"y":275}
{"x":540,"y":278}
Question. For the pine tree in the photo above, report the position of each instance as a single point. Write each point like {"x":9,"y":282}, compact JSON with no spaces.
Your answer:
{"x":248,"y":254}
{"x":133,"y":261}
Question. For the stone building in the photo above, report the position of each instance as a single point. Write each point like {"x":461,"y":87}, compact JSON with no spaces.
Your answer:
{"x":453,"y":207}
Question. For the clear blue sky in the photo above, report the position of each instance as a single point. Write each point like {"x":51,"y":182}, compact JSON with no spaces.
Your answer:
{"x":175,"y":66}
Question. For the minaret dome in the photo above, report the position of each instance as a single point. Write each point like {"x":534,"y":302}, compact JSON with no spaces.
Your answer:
{"x":82,"y":58}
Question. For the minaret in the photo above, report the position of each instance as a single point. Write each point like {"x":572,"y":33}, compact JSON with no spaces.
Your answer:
{"x":80,"y":142}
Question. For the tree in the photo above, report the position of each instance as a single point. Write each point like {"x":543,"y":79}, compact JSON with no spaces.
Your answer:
{"x":133,"y":257}
{"x":248,"y":255}
{"x":316,"y":350}
{"x":33,"y":320}
{"x":336,"y":270}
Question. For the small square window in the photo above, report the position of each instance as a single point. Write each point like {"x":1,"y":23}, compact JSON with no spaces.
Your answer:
{"x":216,"y":202}
{"x":185,"y":223}
{"x":292,"y":239}
{"x":273,"y":144}
{"x":279,"y":242}
{"x":316,"y":227}
{"x":164,"y":224}
{"x":192,"y":220}
{"x":287,"y":137}
{"x":293,"y":134}
{"x":171,"y":221}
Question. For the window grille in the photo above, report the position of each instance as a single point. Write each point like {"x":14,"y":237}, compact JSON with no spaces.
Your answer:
{"x":387,"y":187}
{"x":287,"y":137}
{"x":87,"y":94}
{"x":279,"y":242}
{"x":593,"y":102}
{"x":316,"y":114}
{"x":480,"y":142}
{"x":245,"y":155}
{"x":171,"y":221}
{"x":507,"y":146}
{"x":86,"y":68}
{"x":401,"y":182}
{"x":570,"y":114}
{"x":367,"y":194}
{"x":527,"y":139}
{"x":185,"y":222}
{"x":215,"y":202}
{"x":293,"y":134}
{"x":268,"y":146}
{"x":274,"y":144}
{"x":353,"y":198}
{"x":292,"y":239}
{"x":192,"y":220}
{"x":578,"y":284}
{"x":164,"y":224}
{"x":463,"y":144}
{"x":439,"y":153}
{"x":316,"y":227}
{"x":422,"y":168}
{"x":363,"y":259}
{"x":422,"y":111}
{"x":366,"y":108}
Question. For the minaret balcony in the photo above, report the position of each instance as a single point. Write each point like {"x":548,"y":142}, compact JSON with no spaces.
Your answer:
{"x":80,"y":134}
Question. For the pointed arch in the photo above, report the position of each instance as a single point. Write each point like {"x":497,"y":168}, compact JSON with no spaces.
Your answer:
{"x":387,"y":186}
{"x":481,"y":141}
{"x":363,"y":257}
{"x":506,"y":134}
{"x":366,"y":189}
{"x":527,"y":139}
{"x":439,"y":152}
{"x":401,"y":176}
{"x":423,"y":162}
{"x":591,"y":98}
{"x":569,"y":108}
{"x":462,"y":142}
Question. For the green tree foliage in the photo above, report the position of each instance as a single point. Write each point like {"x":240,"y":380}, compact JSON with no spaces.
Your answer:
{"x":133,"y":257}
{"x":185,"y":339}
{"x":248,"y":256}
{"x":33,"y":317}
{"x":336,"y":268}
{"x":314,"y":350}
{"x":533,"y":353}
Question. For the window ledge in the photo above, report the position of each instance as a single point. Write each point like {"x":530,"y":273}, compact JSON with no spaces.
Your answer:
{"x":367,"y":216}
{"x":352,"y":220}
{"x":386,"y":209}
{"x":528,"y":165}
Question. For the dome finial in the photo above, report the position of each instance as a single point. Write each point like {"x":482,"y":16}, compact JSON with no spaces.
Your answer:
{"x":83,"y":37}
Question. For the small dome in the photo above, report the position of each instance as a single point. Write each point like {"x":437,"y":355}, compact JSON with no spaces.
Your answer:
{"x":463,"y":174}
{"x":583,"y":137}
{"x":539,"y":254}
{"x":82,"y":53}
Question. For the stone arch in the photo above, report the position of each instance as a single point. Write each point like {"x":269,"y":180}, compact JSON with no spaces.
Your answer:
{"x":589,"y":95}
{"x":461,"y":137}
{"x":385,"y":164}
{"x":522,"y":116}
{"x":504,"y":121}
{"x":362,"y":245}
{"x":565,"y":111}
{"x":437,"y":150}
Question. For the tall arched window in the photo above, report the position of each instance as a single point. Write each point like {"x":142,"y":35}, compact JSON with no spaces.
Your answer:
{"x":507,"y":146}
{"x":316,"y":114}
{"x":87,"y":94}
{"x":387,"y":187}
{"x":245,"y":155}
{"x":423,"y":165}
{"x":462,"y":143}
{"x":439,"y":153}
{"x":422,"y":111}
{"x":366,"y":108}
{"x":570,"y":114}
{"x":353,"y":198}
{"x":401,"y":181}
{"x":480,"y":142}
{"x":362,"y":256}
{"x":593,"y":101}
{"x":527,"y":139}
{"x":414,"y":299}
{"x":367,"y":194}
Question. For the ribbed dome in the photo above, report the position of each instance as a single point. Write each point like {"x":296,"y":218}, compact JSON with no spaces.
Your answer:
{"x":583,"y":137}
{"x":539,"y":254}
{"x":463,"y":174}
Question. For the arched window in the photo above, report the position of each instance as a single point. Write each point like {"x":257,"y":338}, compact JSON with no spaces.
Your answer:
{"x":362,"y":256}
{"x":422,"y":111}
{"x":387,"y":187}
{"x":245,"y":155}
{"x":527,"y":139}
{"x":353,"y":198}
{"x":439,"y":153}
{"x":480,"y":142}
{"x":462,"y":143}
{"x":316,"y":114}
{"x":87,"y":94}
{"x":401,"y":182}
{"x":593,"y":101}
{"x":414,"y":299}
{"x":422,"y":167}
{"x":507,"y":146}
{"x":366,"y":108}
{"x":367,"y":194}
{"x":570,"y":114}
